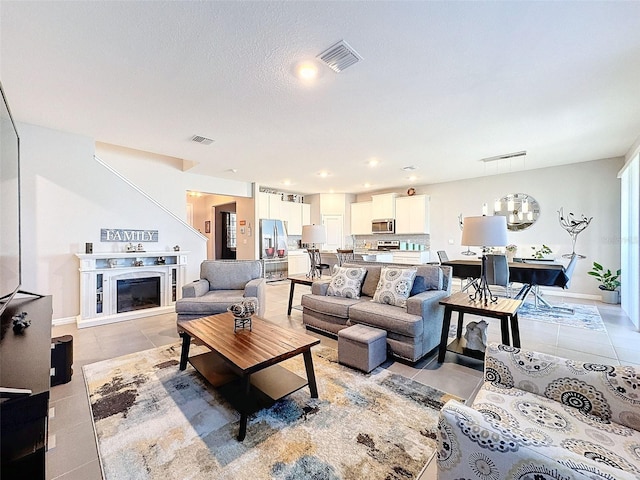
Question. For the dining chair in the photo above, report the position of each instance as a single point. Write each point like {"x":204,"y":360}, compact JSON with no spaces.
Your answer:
{"x":497,"y":272}
{"x":568,"y":271}
{"x":442,"y":255}
{"x":465,"y":283}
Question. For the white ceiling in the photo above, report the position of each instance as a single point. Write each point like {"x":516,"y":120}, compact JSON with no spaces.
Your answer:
{"x":441,"y":84}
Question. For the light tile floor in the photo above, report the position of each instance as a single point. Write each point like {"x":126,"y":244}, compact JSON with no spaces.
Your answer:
{"x":72,"y":448}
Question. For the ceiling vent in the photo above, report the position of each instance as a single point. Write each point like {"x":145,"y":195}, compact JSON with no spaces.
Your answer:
{"x":504,"y":157}
{"x":202,"y":140}
{"x":339,"y":56}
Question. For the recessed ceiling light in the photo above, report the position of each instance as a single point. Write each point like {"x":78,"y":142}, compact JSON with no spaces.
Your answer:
{"x":323,"y":174}
{"x":373,"y":162}
{"x":413,"y":178}
{"x":307,"y":70}
{"x":409,"y":168}
{"x":287,"y":182}
{"x":233,"y":170}
{"x":367,"y":185}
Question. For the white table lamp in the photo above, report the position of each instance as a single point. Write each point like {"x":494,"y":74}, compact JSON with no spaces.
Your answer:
{"x":484,"y":232}
{"x":314,"y":235}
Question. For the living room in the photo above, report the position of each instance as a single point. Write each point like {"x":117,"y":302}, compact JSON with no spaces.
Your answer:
{"x":76,"y":182}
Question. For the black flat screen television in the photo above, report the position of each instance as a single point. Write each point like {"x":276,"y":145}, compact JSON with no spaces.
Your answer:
{"x":10,"y":252}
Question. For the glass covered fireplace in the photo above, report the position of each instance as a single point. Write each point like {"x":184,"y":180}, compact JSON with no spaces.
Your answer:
{"x":138,"y":293}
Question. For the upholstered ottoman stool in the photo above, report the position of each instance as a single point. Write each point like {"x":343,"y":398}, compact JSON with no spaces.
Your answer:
{"x":362,"y":347}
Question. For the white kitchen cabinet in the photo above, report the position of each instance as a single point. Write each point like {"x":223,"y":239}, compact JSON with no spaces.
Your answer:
{"x":361,"y":218}
{"x":383,"y":206}
{"x":412,"y":214}
{"x":306,"y":215}
{"x":263,"y":204}
{"x":292,"y":214}
{"x":270,"y":206}
{"x":411,"y":257}
{"x":299,"y":262}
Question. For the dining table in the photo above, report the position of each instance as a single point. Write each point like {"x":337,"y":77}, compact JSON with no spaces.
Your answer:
{"x":531,"y":273}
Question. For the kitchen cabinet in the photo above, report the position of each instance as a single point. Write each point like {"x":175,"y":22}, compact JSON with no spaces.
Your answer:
{"x":292,"y":214}
{"x":361,"y":218}
{"x":306,"y":215}
{"x":412,"y":214}
{"x":383,"y":206}
{"x":299,"y":262}
{"x":269,"y":206}
{"x":411,"y":257}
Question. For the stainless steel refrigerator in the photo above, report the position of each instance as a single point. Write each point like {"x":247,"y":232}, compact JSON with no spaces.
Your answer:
{"x":273,"y":249}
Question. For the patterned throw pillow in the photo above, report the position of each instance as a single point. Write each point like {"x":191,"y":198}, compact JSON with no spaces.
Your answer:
{"x":394,"y":286}
{"x":347,"y":282}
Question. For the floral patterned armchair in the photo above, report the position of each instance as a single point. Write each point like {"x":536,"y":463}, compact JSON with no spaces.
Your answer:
{"x":543,"y":417}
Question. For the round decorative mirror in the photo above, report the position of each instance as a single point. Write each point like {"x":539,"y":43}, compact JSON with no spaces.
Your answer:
{"x":521,"y":210}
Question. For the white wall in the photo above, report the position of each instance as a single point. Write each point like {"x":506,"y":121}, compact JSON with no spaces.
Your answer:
{"x":590,"y":188}
{"x":163,"y":179}
{"x":67,"y":197}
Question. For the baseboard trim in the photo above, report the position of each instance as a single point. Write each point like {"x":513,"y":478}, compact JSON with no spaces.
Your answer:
{"x":63,"y":321}
{"x":556,"y":292}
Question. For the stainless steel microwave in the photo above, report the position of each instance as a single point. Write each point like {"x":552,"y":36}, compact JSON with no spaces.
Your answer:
{"x":386,"y":225}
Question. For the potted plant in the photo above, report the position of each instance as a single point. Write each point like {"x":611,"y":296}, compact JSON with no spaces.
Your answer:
{"x":608,"y":282}
{"x":541,"y":252}
{"x":511,"y":251}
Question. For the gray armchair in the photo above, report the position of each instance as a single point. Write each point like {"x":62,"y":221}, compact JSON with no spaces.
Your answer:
{"x":221,"y":284}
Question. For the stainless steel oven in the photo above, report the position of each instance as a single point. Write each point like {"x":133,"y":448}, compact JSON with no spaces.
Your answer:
{"x":385,"y":225}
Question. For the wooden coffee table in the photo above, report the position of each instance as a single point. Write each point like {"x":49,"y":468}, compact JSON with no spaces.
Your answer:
{"x":505,"y":309}
{"x":243,"y":365}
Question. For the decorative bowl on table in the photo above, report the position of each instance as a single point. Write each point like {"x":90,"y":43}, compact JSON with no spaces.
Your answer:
{"x":269,"y":252}
{"x":281,"y":253}
{"x":242,"y":312}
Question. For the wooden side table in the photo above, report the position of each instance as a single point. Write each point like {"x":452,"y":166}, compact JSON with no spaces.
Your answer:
{"x":302,"y":280}
{"x":505,"y":309}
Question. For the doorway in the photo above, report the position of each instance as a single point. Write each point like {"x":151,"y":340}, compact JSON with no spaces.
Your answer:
{"x":333,"y":225}
{"x":229,"y":238}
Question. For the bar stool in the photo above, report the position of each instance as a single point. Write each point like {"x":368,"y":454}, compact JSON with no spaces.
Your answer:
{"x":344,"y":255}
{"x":316,"y":263}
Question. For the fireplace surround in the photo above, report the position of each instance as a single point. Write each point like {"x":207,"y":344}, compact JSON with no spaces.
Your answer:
{"x":126,"y":285}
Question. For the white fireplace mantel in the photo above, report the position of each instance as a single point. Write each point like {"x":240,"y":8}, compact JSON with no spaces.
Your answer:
{"x":99,"y":275}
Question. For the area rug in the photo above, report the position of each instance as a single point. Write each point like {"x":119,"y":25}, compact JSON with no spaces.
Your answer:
{"x":153,"y":421}
{"x":584,"y":316}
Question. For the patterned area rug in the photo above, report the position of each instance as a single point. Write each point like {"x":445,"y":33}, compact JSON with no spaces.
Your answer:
{"x":154,"y":422}
{"x":584,"y":316}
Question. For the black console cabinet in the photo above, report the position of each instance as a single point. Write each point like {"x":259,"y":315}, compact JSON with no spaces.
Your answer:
{"x":25,"y":362}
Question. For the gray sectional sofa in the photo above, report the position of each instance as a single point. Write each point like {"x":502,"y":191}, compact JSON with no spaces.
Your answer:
{"x":412,"y":331}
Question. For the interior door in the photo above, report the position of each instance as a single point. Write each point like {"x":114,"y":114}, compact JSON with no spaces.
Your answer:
{"x":334,"y":227}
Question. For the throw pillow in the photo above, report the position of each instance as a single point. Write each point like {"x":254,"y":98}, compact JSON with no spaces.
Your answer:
{"x":394,"y":286}
{"x":427,"y":278}
{"x":347,"y":282}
